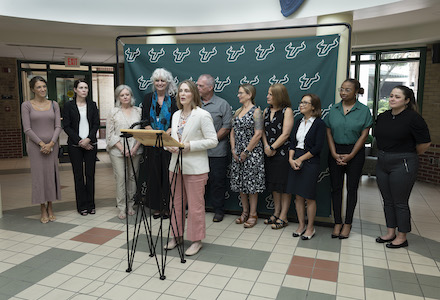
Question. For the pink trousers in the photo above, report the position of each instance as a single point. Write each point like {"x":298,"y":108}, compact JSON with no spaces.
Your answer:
{"x":194,"y":196}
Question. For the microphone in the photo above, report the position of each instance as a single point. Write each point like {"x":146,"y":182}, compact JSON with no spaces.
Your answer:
{"x":142,"y":123}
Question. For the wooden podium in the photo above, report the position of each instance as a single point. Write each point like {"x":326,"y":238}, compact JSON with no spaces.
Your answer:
{"x":158,"y":139}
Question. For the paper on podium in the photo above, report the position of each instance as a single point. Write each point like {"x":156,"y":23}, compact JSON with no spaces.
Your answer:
{"x":149,"y":137}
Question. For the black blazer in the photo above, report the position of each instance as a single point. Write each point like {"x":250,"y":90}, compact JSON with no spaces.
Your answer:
{"x":314,"y":140}
{"x":71,"y":121}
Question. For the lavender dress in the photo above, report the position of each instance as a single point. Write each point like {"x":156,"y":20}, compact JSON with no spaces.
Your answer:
{"x":42,"y":126}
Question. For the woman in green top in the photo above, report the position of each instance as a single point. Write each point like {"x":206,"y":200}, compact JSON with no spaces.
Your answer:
{"x":348,"y":123}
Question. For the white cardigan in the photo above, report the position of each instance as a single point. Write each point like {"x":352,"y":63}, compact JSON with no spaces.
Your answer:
{"x":199,"y":131}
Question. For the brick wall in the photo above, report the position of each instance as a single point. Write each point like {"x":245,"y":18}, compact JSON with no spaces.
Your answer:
{"x":10,"y":124}
{"x":430,"y":162}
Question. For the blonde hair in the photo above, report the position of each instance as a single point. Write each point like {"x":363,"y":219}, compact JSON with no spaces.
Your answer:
{"x":250,"y":90}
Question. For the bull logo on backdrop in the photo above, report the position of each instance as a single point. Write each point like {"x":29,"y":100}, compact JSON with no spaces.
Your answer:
{"x":205,"y":56}
{"x":325,"y":111}
{"x":324,"y":49}
{"x":144,"y":84}
{"x":220,"y":85}
{"x":307,"y":82}
{"x":269,"y":202}
{"x":292,"y":52}
{"x":324,"y":174}
{"x":233,"y":55}
{"x":263,"y":53}
{"x":130,"y":56}
{"x":179,"y":56}
{"x":155,"y":55}
{"x":283,"y":80}
{"x":254,"y":81}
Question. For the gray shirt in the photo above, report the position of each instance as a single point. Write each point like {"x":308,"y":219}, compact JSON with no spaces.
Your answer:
{"x":221,"y":113}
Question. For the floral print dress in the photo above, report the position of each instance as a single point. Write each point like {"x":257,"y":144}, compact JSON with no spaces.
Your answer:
{"x":247,"y":177}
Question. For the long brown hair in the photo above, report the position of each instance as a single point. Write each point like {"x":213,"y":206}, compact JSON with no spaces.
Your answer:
{"x":280,"y":95}
{"x":196,"y":101}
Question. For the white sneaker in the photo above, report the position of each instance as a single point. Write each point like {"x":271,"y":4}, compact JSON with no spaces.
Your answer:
{"x":194,"y":248}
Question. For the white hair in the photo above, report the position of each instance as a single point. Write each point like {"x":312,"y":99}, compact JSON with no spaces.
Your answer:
{"x":161,"y":73}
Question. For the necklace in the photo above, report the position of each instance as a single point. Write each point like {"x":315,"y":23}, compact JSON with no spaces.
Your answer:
{"x":40,"y":107}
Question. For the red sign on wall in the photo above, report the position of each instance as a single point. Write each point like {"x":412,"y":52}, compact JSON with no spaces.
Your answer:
{"x":71,"y":61}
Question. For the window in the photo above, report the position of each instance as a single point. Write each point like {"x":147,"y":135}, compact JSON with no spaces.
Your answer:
{"x":380,"y":71}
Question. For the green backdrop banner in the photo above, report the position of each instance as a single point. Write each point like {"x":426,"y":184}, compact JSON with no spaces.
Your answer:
{"x":303,"y":65}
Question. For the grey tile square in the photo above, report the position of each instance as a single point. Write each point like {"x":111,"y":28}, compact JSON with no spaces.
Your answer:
{"x":61,"y":254}
{"x":286,"y":293}
{"x":430,"y":291}
{"x":17,"y":272}
{"x":252,"y":263}
{"x":403,"y":276}
{"x":320,"y":296}
{"x":15,"y":287}
{"x":407,"y":288}
{"x":376,"y":272}
{"x":36,"y":262}
{"x":429,"y":280}
{"x":4,"y":281}
{"x":36,"y":275}
{"x":378,"y":283}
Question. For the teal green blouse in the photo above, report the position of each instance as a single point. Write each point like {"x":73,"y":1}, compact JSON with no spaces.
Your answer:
{"x":346,"y":129}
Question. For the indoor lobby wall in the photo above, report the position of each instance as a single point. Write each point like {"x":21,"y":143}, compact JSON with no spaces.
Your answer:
{"x":430,"y":162}
{"x":10,"y":123}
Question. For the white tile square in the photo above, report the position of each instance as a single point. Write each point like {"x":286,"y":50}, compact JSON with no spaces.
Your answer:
{"x":119,"y":292}
{"x":201,"y":266}
{"x":351,"y":268}
{"x":191,"y":277}
{"x":265,"y":290}
{"x":239,"y":286}
{"x":180,"y":289}
{"x":72,"y":269}
{"x":275,"y":267}
{"x":373,"y":294}
{"x":143,"y":294}
{"x":34,"y":292}
{"x":350,"y":278}
{"x":305,"y":252}
{"x":246,"y":274}
{"x":280,"y":258}
{"x":228,"y":295}
{"x":296,"y":282}
{"x":157,"y":285}
{"x":205,"y":293}
{"x":214,"y":281}
{"x":75,"y":284}
{"x":271,"y":278}
{"x":134,"y":280}
{"x":55,"y":279}
{"x":322,"y":286}
{"x":350,"y":291}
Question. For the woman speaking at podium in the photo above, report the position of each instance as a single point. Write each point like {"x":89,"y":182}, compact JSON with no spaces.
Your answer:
{"x":193,"y":127}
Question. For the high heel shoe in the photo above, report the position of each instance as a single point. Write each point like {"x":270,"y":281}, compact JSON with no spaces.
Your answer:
{"x":296,"y":234}
{"x":243,"y":218}
{"x":308,"y":237}
{"x":343,"y":237}
{"x":335,"y":236}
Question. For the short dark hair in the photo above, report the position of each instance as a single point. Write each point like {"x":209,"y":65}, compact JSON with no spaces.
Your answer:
{"x":34,"y":80}
{"x":316,"y":103}
{"x":357,"y":85}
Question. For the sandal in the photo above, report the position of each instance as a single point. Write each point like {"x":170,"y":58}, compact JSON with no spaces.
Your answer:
{"x":52,"y":218}
{"x":84,"y":212}
{"x":44,"y":220}
{"x":279,"y":224}
{"x":270,"y":220}
{"x":243,"y":218}
{"x":251,"y":222}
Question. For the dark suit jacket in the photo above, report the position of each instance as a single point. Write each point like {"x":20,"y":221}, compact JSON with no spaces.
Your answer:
{"x":314,"y":140}
{"x":71,"y":121}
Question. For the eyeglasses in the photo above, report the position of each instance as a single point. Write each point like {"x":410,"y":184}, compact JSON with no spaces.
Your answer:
{"x":304,"y":103}
{"x":344,"y":90}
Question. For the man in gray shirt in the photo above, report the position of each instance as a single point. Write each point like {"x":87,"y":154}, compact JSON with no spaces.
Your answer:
{"x":221,"y":113}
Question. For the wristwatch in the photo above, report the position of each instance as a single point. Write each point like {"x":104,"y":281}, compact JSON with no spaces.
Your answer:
{"x":247,"y":152}
{"x":271,"y":148}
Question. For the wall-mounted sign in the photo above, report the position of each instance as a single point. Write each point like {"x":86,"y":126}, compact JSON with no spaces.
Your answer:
{"x":71,"y":61}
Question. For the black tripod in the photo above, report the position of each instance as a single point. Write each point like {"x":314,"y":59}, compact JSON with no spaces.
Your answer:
{"x":144,"y":220}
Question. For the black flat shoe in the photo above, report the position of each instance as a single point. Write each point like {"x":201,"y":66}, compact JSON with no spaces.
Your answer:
{"x":156,"y":216}
{"x":217,"y":218}
{"x":381,"y":240}
{"x":83,"y":213}
{"x":335,"y":236}
{"x":92,"y":212}
{"x":392,"y":246}
{"x":296,"y":234}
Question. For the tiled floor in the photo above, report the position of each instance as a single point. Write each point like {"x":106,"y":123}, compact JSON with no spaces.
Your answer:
{"x":79,"y":257}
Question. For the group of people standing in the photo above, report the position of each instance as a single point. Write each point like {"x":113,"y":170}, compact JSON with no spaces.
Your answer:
{"x":270,"y":151}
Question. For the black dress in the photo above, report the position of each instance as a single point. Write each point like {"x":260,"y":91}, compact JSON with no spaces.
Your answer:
{"x":153,"y":182}
{"x":277,"y":166}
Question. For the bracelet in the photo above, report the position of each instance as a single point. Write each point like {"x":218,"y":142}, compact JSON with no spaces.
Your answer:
{"x":266,"y":147}
{"x":247,"y":152}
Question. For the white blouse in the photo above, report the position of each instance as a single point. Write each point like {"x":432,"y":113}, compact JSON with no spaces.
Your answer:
{"x":303,"y":128}
{"x":83,"y":122}
{"x":116,"y":121}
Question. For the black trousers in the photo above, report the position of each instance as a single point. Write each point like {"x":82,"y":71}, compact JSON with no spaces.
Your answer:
{"x":83,"y":166}
{"x":353,"y":169}
{"x":216,"y":187}
{"x":396,"y":174}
